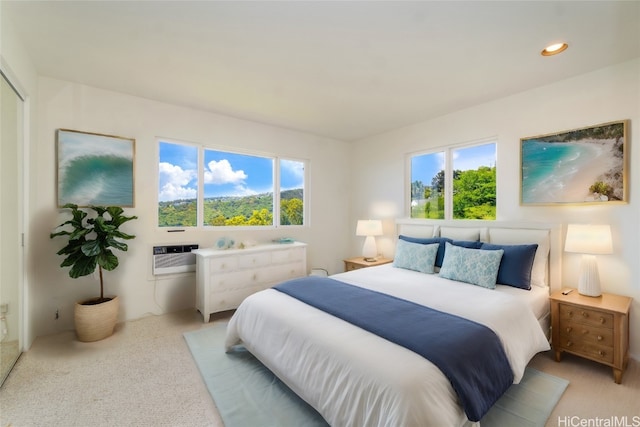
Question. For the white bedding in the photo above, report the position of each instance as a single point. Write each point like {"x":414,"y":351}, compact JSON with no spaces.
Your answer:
{"x":537,"y":298}
{"x":355,"y":378}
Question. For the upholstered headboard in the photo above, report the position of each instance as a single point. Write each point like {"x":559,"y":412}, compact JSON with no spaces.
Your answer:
{"x":548,"y":257}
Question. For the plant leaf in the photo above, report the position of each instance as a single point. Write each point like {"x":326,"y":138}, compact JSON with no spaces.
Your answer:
{"x":91,"y":248}
{"x":107,"y":260}
{"x":83,"y":266}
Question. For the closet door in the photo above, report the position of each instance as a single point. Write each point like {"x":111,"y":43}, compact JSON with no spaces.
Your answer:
{"x":11,"y":143}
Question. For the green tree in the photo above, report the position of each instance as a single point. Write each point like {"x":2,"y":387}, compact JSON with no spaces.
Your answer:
{"x":291,"y":212}
{"x":261,"y":217}
{"x":474,"y":193}
{"x":236,"y":220}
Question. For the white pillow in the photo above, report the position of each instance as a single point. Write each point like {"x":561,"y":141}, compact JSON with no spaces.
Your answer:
{"x":415,"y":256}
{"x":474,"y":266}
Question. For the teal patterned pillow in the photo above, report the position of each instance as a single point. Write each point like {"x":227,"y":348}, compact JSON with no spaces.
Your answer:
{"x":473,"y":266}
{"x":415,"y":256}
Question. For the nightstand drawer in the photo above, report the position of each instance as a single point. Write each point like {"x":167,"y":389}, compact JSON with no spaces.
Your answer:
{"x":349,"y":266}
{"x":596,"y":352}
{"x":585,"y":316}
{"x":581,"y":333}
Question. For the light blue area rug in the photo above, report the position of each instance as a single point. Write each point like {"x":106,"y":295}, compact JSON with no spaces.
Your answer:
{"x":247,"y":394}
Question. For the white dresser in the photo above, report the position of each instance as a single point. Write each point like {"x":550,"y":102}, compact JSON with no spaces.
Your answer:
{"x":224,"y":278}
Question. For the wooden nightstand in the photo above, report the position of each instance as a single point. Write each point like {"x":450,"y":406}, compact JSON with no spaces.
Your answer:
{"x":596,"y":328}
{"x":359,"y":262}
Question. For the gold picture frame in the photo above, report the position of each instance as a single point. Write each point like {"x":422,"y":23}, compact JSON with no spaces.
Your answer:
{"x":580,"y":166}
{"x":95,"y":169}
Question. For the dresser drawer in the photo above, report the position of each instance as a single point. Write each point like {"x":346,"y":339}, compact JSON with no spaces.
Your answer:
{"x":279,"y":273}
{"x":582,"y":333}
{"x":223,"y":264}
{"x":229,"y":281}
{"x":287,"y":255}
{"x":585,"y":316}
{"x":253,"y":260}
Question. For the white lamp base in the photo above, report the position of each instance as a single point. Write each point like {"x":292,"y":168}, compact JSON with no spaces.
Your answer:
{"x":369,"y":249}
{"x":589,"y":281}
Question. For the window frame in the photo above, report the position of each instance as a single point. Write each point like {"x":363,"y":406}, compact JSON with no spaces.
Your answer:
{"x":447,"y":152}
{"x":200,"y":197}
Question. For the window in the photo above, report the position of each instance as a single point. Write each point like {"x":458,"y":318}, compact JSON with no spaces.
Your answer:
{"x":236,"y":189}
{"x":458,"y":183}
{"x":291,"y":192}
{"x":178,"y":182}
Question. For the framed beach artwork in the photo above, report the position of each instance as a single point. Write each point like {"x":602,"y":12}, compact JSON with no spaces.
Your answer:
{"x":95,"y":169}
{"x":580,"y":166}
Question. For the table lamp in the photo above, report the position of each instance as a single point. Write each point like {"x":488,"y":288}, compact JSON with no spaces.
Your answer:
{"x":589,"y":240}
{"x":369,"y":228}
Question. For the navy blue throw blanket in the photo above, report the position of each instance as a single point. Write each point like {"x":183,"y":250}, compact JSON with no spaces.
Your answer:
{"x":469,"y":354}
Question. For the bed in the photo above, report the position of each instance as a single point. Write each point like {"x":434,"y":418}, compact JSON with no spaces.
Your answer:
{"x":353,"y":377}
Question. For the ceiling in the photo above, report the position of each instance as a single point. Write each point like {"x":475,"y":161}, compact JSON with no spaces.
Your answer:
{"x":345,"y":70}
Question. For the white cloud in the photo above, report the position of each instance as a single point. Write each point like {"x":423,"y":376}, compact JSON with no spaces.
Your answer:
{"x":222,"y":173}
{"x":295,"y":168}
{"x":241,"y":190}
{"x":174,"y":182}
{"x":174,"y":192}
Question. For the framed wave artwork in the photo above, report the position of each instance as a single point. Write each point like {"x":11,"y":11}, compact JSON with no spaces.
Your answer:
{"x":95,"y":169}
{"x":580,"y":166}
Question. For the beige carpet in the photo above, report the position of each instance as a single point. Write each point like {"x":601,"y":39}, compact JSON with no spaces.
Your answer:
{"x":144,"y":375}
{"x":591,"y":393}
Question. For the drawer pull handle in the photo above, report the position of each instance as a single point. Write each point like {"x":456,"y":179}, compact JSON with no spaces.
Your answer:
{"x":569,"y":343}
{"x":601,"y":353}
{"x":600,"y":338}
{"x":569,"y":329}
{"x":585,"y":314}
{"x":570,"y":313}
{"x":602,"y":320}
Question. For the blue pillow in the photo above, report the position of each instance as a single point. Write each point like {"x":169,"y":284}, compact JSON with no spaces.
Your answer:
{"x":516,"y":264}
{"x":415,"y":256}
{"x":475,"y":266}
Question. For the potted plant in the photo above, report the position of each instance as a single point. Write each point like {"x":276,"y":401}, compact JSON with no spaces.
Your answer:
{"x":89,"y":243}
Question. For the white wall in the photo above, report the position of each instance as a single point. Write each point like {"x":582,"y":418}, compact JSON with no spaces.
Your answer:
{"x":378,"y":176}
{"x":67,"y":105}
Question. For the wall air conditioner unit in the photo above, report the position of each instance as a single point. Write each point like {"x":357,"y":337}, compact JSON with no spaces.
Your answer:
{"x":173,"y":259}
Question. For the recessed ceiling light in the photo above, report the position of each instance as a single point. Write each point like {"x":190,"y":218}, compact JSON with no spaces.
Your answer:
{"x":554,"y":49}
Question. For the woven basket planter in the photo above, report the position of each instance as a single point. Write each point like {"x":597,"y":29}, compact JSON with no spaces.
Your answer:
{"x":96,"y":321}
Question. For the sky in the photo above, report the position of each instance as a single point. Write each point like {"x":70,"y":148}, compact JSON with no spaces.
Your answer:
{"x":425,"y":167}
{"x":225,"y":174}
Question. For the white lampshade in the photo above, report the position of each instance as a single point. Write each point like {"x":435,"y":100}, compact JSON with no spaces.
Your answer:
{"x":369,"y":228}
{"x":589,"y":240}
